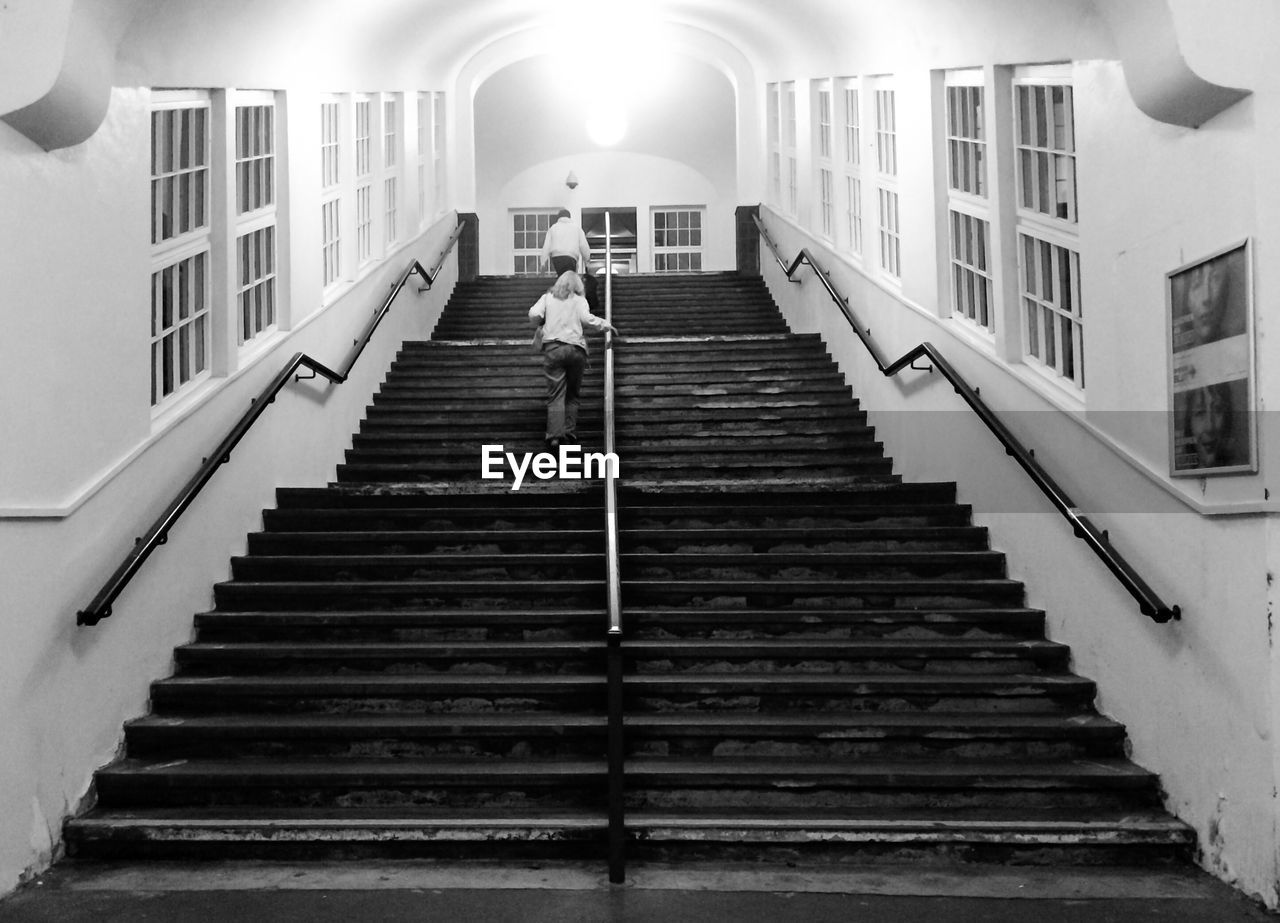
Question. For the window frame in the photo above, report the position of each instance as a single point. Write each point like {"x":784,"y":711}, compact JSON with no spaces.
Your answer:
{"x":256,"y":321}
{"x":971,"y":281}
{"x":392,"y":157}
{"x":824,"y":158}
{"x":661,"y":252}
{"x":888,"y":200}
{"x":790,"y":150}
{"x":194,"y":246}
{"x":1054,"y":234}
{"x":850,"y":90}
{"x":529,"y":255}
{"x":1057,"y":234}
{"x":333,"y":260}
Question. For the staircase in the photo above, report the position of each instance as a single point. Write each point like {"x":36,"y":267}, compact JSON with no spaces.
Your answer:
{"x":820,"y":658}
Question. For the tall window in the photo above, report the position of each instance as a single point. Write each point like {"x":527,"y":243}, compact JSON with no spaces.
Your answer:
{"x":390,"y":169}
{"x":677,"y":240}
{"x":330,"y":192}
{"x":424,"y":123}
{"x":180,"y":243}
{"x":852,"y":165}
{"x":775,"y":149}
{"x":887,"y":182}
{"x":823,"y":155}
{"x":969,"y":225}
{"x":1048,"y":238}
{"x":255,"y":172}
{"x":437,"y":148}
{"x":529,"y":229}
{"x":364,"y":178}
{"x":791,"y":154}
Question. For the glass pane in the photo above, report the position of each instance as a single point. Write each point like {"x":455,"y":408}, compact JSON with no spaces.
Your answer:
{"x":184,"y":289}
{"x":1027,"y":168}
{"x":1046,"y":272}
{"x":1041,"y":106}
{"x":166,"y":310}
{"x":1033,"y":329}
{"x":199,"y":281}
{"x":1068,"y":348}
{"x":1024,"y":115}
{"x":200,"y":324}
{"x":201,"y":117}
{"x":167,"y":364}
{"x":184,"y":354}
{"x":1030,"y":284}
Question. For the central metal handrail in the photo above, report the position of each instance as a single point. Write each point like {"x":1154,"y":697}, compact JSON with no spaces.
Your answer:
{"x":158,"y":534}
{"x":616,"y":752}
{"x":1148,"y":602}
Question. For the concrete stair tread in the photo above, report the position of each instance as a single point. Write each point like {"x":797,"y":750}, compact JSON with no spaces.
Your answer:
{"x":914,"y":826}
{"x":1119,"y":772}
{"x":368,"y":725}
{"x":401,"y":822}
{"x":707,"y":648}
{"x":831,"y":726}
{"x":859,"y":684}
{"x":261,"y":771}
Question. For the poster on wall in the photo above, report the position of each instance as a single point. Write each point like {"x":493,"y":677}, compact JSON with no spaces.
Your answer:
{"x":1210,"y":322}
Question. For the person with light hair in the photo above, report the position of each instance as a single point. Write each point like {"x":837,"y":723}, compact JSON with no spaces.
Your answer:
{"x":562,"y":313}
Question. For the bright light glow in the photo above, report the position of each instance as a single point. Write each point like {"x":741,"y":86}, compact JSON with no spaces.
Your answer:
{"x":617,"y":46}
{"x":606,"y":128}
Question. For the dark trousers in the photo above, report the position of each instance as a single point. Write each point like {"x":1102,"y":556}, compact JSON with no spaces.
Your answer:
{"x":563,"y":365}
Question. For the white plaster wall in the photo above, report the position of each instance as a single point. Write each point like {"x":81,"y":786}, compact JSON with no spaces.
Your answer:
{"x":680,"y":149}
{"x":84,"y":469}
{"x":1196,"y":695}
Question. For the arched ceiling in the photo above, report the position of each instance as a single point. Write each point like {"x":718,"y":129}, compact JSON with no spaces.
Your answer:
{"x":340,"y":44}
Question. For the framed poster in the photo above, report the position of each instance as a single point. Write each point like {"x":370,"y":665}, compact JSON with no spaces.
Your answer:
{"x":1211,"y":381}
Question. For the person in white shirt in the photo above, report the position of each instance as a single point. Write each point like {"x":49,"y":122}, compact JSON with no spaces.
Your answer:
{"x":561,"y":248}
{"x":562,"y":312}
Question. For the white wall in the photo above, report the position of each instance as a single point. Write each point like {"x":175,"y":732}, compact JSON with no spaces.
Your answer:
{"x":679,"y":150}
{"x":85,"y":468}
{"x":1196,"y":695}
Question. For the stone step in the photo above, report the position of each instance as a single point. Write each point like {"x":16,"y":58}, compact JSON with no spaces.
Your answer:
{"x":769,"y":656}
{"x":784,"y":593}
{"x":866,"y":835}
{"x":437,"y":693}
{"x":423,"y":389}
{"x":391,"y":625}
{"x":391,"y":541}
{"x":423,"y":594}
{"x":276,"y":832}
{"x":1023,"y":835}
{"x":378,"y":693}
{"x":545,"y":734}
{"x":810,"y":565}
{"x":370,"y":782}
{"x":653,"y":783}
{"x":480,"y":623}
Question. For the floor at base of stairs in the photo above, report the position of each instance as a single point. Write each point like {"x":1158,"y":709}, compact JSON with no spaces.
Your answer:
{"x":534,"y":892}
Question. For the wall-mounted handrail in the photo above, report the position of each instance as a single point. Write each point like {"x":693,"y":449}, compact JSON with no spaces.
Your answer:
{"x":158,"y":534}
{"x":616,"y":747}
{"x":1148,"y":602}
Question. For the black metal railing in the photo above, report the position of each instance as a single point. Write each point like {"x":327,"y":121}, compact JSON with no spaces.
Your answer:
{"x":616,"y":746}
{"x":100,"y":607}
{"x":1148,"y":602}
